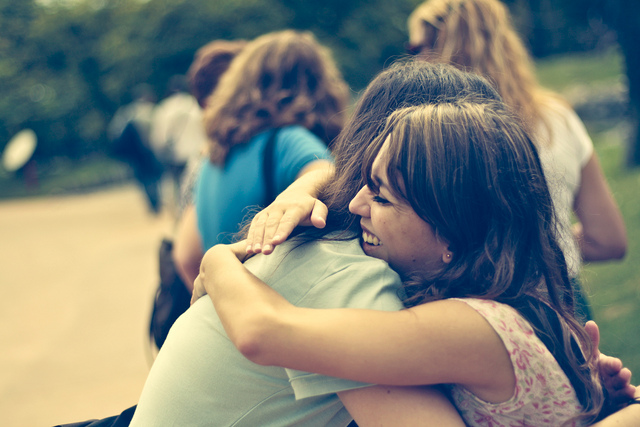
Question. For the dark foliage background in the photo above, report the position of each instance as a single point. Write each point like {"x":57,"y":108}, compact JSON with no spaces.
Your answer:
{"x":65,"y":65}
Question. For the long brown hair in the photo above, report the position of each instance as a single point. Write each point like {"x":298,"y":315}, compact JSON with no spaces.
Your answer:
{"x":279,"y":79}
{"x":405,"y":83}
{"x":478,"y":36}
{"x":471,"y":171}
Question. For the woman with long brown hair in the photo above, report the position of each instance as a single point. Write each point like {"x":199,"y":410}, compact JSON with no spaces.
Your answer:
{"x":478,"y":36}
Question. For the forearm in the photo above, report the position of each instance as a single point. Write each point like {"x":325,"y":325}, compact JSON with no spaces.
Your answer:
{"x":265,"y":327}
{"x":248,"y":308}
{"x":400,"y":406}
{"x":595,"y":248}
{"x":601,"y":233}
{"x":270,"y":331}
{"x":626,"y":417}
{"x":312,"y":178}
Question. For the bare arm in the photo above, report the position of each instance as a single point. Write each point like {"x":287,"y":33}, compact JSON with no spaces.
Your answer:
{"x":297,"y":205}
{"x":265,"y":328}
{"x":601,"y":232}
{"x":400,"y":406}
{"x":187,"y":247}
{"x":441,"y":342}
{"x":626,"y":417}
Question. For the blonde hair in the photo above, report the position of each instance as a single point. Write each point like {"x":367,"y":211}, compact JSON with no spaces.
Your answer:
{"x":279,"y":79}
{"x":477,"y":36}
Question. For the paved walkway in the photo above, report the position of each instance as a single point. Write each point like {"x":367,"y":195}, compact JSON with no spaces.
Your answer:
{"x":77,"y":276}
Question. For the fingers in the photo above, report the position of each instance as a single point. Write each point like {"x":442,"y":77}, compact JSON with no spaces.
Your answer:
{"x":616,"y":380}
{"x":319,"y":214}
{"x":239,"y":250}
{"x":271,"y":229}
{"x":198,"y":289}
{"x":279,"y":227}
{"x":274,"y":224}
{"x":591,"y":328}
{"x":255,"y":236}
{"x":623,"y":395}
{"x":609,"y":366}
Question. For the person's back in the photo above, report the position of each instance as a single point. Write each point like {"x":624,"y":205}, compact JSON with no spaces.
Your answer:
{"x":226,"y":195}
{"x":282,"y":80}
{"x":199,"y":378}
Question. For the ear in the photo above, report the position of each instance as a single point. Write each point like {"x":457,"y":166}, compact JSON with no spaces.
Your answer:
{"x":447,"y":256}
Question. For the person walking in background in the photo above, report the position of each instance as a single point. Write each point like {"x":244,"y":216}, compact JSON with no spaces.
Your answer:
{"x":208,"y":65}
{"x":129,"y":132}
{"x":478,"y":36}
{"x":177,"y":134}
{"x":282,"y":81}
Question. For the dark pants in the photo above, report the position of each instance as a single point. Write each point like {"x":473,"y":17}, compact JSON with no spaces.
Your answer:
{"x":121,"y":420}
{"x":147,"y":169}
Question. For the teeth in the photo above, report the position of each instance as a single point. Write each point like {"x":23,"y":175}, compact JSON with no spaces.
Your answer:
{"x":370,"y":239}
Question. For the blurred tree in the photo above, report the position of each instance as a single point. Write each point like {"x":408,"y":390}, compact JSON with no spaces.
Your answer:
{"x":624,"y":17}
{"x":66,"y":66}
{"x":15,"y":20}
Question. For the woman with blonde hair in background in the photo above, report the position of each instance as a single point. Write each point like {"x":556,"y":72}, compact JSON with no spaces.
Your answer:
{"x":478,"y":36}
{"x":284,"y":81}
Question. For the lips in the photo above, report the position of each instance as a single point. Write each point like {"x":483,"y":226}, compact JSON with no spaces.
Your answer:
{"x":370,"y":238}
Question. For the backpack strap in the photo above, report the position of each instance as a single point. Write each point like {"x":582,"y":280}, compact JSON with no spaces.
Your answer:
{"x":268,"y":168}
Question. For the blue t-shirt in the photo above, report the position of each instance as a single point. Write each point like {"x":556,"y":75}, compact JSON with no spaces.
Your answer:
{"x":225,"y":195}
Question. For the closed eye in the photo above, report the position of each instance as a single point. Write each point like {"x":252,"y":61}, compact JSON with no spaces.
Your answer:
{"x":381,"y":200}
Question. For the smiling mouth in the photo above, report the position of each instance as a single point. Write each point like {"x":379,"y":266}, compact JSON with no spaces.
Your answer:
{"x":370,"y":238}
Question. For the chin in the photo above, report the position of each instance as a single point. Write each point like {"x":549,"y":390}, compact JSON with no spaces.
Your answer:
{"x":372,"y":251}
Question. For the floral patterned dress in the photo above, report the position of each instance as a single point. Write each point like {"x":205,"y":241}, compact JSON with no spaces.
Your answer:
{"x":543,"y":394}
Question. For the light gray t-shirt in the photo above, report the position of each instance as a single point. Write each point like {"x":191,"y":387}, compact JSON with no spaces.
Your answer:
{"x":200,"y":379}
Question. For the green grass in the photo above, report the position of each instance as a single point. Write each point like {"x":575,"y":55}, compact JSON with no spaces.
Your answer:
{"x":561,"y":72}
{"x":613,"y":287}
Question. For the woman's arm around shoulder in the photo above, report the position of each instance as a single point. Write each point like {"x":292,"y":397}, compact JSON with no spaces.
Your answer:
{"x":628,"y":416}
{"x":400,"y":406}
{"x":441,"y":342}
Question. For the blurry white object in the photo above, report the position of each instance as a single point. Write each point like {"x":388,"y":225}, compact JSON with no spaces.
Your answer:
{"x":19,"y":150}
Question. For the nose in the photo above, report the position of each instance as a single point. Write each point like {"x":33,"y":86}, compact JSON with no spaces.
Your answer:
{"x":359,"y":205}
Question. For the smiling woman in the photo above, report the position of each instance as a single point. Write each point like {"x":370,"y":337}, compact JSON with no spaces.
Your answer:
{"x":321,"y":270}
{"x":391,"y":229}
{"x":457,"y":203}
{"x":455,"y":340}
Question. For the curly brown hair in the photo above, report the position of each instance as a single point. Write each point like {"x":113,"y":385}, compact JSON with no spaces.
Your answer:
{"x":279,"y":79}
